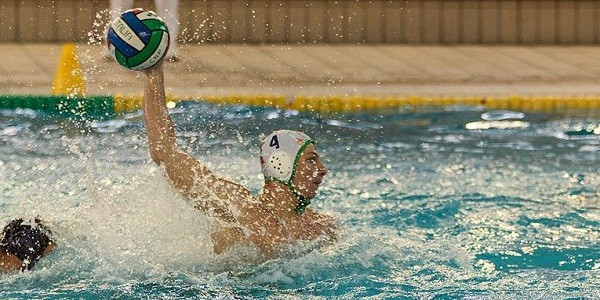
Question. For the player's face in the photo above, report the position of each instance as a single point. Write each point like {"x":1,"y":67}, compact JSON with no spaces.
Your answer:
{"x":309,"y":172}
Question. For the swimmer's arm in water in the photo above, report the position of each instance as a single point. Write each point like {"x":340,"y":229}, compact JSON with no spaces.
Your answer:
{"x":226,"y":237}
{"x":9,"y":262}
{"x":187,"y":174}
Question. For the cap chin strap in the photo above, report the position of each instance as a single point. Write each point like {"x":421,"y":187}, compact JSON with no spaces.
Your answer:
{"x":302,"y":201}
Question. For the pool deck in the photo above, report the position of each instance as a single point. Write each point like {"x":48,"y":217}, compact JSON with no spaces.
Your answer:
{"x":324,"y":70}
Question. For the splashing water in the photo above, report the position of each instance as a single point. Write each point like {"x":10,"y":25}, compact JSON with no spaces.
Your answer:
{"x":428,"y":207}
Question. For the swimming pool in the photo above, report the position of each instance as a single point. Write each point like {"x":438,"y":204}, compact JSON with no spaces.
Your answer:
{"x":436,"y":203}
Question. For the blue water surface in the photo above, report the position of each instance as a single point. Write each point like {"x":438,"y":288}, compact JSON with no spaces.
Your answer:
{"x":443,"y":203}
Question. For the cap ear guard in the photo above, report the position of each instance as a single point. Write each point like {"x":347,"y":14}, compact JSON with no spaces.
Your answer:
{"x":279,"y":166}
{"x":279,"y":155}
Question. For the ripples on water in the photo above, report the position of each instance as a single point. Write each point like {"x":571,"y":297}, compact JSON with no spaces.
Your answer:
{"x":448,"y":203}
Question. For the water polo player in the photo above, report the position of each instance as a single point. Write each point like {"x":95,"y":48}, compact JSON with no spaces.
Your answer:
{"x":276,"y":217}
{"x":23,"y":243}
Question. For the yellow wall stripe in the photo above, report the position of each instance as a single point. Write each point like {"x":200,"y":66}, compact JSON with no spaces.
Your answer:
{"x":328,"y":104}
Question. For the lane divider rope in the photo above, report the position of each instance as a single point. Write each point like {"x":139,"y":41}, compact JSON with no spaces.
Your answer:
{"x":107,"y":105}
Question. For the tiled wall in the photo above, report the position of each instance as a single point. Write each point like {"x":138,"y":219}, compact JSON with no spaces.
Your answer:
{"x":324,"y":21}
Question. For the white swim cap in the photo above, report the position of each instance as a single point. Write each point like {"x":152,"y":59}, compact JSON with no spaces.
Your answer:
{"x":279,"y":154}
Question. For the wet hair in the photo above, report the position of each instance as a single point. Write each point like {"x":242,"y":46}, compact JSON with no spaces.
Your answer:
{"x":26,"y":240}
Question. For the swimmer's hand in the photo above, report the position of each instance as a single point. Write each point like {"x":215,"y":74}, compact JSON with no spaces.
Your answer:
{"x":329,"y":226}
{"x":319,"y":226}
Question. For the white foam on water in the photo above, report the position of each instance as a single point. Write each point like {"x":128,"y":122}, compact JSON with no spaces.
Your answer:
{"x":145,"y":227}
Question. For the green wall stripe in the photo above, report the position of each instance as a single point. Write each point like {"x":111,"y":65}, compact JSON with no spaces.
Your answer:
{"x":94,"y":105}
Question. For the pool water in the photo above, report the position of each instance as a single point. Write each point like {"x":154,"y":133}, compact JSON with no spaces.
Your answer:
{"x":438,"y":203}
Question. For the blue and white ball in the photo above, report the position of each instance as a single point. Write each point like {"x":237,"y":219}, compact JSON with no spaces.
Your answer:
{"x":138,"y":39}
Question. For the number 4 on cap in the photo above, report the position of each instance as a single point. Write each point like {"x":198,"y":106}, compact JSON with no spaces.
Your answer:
{"x":274,"y":142}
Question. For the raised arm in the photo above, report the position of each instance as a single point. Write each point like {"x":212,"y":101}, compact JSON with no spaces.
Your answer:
{"x":182,"y":169}
{"x":187,"y":174}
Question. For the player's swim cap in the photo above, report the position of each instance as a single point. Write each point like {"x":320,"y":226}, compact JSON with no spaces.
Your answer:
{"x":279,"y":154}
{"x":26,"y":240}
